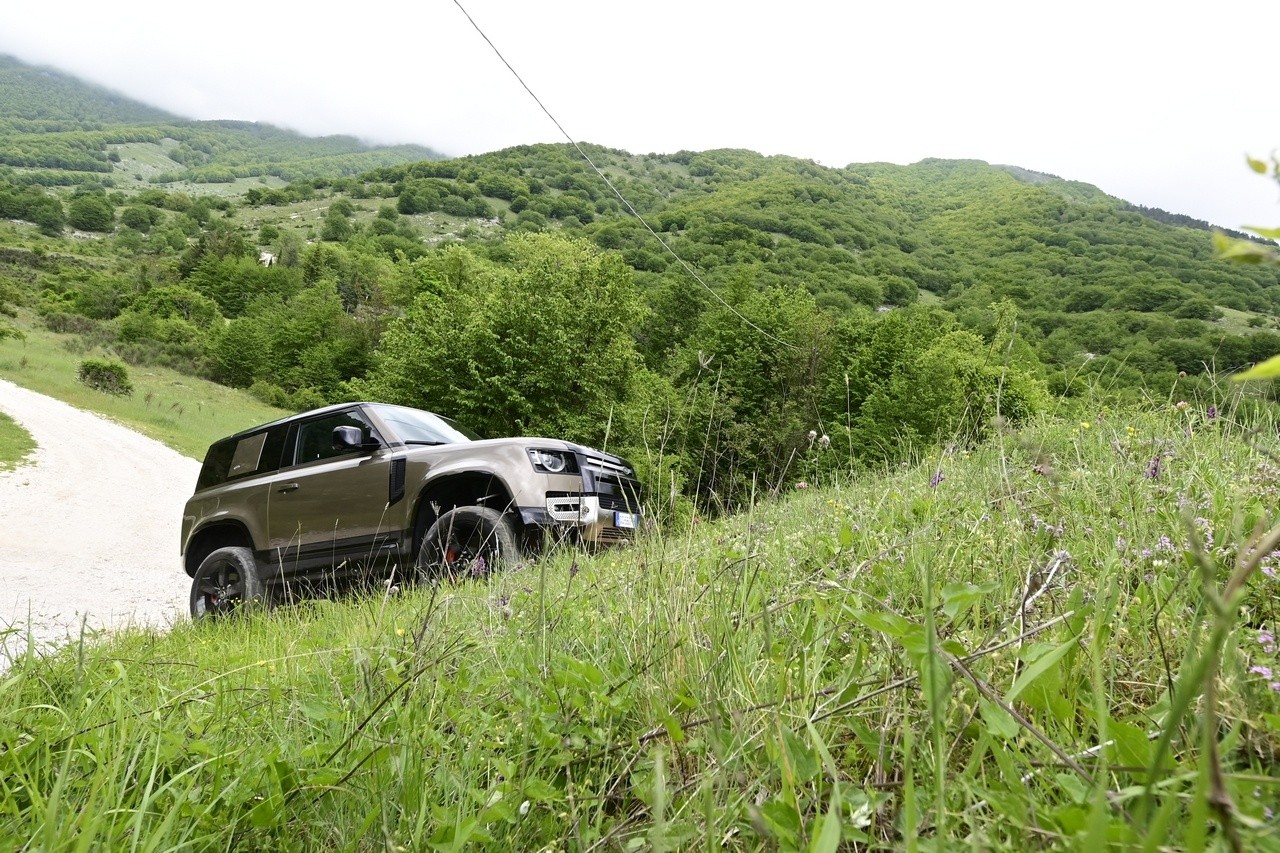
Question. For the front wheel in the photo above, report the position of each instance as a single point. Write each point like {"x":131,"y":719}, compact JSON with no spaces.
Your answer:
{"x":226,"y":582}
{"x":469,"y":540}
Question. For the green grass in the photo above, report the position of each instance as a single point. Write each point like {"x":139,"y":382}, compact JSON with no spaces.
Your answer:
{"x":15,"y":443}
{"x":982,"y":650}
{"x":1238,"y":322}
{"x":181,"y":411}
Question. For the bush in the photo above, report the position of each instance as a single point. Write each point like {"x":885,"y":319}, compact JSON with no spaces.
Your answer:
{"x":269,"y":393}
{"x":110,"y":377}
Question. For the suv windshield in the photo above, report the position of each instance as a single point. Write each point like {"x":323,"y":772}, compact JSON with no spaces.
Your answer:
{"x":417,"y":426}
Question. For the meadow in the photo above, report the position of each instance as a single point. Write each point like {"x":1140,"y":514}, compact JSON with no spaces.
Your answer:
{"x":1063,"y":637}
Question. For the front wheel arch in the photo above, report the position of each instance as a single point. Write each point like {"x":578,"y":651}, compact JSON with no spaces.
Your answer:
{"x":475,"y":540}
{"x":451,"y":491}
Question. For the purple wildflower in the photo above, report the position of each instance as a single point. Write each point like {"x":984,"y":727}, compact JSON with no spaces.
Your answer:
{"x":1122,"y":544}
{"x":1267,"y":640}
{"x":1153,"y":468}
{"x":1146,"y":553}
{"x":1164,"y":544}
{"x":1264,"y":671}
{"x":936,"y":479}
{"x":1212,"y":413}
{"x":1206,"y":530}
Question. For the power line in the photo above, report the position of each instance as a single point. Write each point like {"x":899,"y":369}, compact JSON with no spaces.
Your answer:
{"x":690,"y":270}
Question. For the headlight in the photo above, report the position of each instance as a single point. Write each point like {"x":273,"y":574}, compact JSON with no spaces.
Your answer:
{"x":553,"y":461}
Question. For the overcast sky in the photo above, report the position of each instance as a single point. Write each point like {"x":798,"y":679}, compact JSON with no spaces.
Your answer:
{"x":1157,"y":103}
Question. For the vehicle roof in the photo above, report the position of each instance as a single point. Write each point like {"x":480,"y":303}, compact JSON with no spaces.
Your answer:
{"x":336,"y":407}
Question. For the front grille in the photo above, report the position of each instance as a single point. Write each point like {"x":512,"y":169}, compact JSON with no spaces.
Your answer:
{"x":604,"y":466}
{"x":613,"y":480}
{"x":617,"y":503}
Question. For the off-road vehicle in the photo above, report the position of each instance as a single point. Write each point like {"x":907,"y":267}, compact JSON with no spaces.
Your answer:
{"x":387,"y":492}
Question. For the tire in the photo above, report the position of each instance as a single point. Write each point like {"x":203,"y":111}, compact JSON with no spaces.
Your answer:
{"x":227,"y":582}
{"x":469,"y":541}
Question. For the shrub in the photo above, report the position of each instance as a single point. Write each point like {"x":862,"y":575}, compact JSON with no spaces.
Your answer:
{"x":110,"y":377}
{"x":269,"y":393}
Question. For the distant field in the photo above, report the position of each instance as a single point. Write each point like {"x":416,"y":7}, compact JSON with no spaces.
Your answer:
{"x":1237,"y":322}
{"x":183,"y":412}
{"x":145,"y":158}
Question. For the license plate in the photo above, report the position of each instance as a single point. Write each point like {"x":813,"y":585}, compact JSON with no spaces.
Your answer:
{"x":626,"y":520}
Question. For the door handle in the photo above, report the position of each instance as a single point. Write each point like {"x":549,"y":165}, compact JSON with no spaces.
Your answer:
{"x":288,"y":487}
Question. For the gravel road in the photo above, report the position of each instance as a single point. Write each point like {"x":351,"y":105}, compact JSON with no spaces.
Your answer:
{"x":89,"y":526}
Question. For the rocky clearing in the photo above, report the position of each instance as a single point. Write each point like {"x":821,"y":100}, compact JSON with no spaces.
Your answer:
{"x":89,"y":527}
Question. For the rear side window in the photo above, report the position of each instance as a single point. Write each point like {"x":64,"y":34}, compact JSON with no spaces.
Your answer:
{"x":258,"y":453}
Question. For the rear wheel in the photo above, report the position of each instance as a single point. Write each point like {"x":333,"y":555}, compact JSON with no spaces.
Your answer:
{"x":469,"y":541}
{"x":226,"y":582}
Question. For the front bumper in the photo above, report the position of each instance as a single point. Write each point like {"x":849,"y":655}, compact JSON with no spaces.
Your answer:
{"x":594,"y":518}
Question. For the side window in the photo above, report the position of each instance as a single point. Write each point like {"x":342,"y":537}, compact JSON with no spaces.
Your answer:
{"x":315,"y":438}
{"x":245,"y":458}
{"x":253,"y":454}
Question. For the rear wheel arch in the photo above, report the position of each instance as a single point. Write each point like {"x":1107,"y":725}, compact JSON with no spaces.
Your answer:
{"x":222,"y":534}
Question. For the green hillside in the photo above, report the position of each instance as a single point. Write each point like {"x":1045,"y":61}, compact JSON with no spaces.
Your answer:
{"x":994,"y":646}
{"x":57,"y":130}
{"x":775,"y":301}
{"x":45,"y":99}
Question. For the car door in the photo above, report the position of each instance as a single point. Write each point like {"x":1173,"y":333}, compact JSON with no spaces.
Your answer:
{"x":331,"y":504}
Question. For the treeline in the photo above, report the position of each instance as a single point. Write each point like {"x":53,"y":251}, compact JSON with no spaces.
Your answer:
{"x":549,"y":334}
{"x":1184,"y":221}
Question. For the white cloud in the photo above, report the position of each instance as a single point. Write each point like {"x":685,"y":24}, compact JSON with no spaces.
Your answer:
{"x":1154,"y":102}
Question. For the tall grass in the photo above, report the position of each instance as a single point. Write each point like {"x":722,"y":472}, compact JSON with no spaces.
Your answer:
{"x":989,"y":649}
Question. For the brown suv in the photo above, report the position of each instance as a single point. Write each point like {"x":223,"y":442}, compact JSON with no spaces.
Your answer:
{"x":375,"y":490}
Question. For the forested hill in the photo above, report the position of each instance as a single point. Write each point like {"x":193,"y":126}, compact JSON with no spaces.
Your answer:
{"x":61,"y":131}
{"x":43,"y":98}
{"x":774,"y":301}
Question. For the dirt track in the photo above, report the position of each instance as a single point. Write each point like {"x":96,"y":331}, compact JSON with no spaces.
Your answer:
{"x":88,"y":527}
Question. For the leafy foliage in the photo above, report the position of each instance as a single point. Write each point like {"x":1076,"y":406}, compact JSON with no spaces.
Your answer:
{"x":110,"y":377}
{"x":510,"y":346}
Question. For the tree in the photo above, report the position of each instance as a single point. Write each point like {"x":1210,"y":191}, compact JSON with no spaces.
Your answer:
{"x":751,"y":370}
{"x":541,"y":346}
{"x":336,"y":227}
{"x":91,"y":212}
{"x":140,"y":217}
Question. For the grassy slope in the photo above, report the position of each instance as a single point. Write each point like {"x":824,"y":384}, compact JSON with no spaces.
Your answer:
{"x":15,"y":443}
{"x":183,"y":412}
{"x":754,"y":677}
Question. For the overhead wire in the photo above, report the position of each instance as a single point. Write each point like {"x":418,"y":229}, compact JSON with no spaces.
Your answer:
{"x":627,"y":204}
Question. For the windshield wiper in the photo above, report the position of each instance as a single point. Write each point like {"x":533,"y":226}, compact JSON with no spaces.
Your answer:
{"x":425,"y":443}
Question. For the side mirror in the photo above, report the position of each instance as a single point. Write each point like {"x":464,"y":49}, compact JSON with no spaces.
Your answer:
{"x":351,"y":438}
